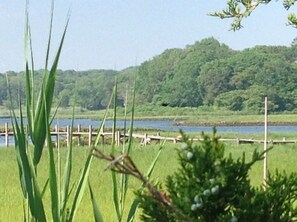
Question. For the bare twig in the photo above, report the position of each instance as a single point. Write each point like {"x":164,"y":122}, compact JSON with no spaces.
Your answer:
{"x":124,"y":164}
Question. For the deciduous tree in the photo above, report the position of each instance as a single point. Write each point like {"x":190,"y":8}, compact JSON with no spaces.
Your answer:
{"x":240,"y":9}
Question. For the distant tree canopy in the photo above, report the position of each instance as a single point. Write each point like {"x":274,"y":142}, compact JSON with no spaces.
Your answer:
{"x":206,"y":73}
{"x":240,"y":9}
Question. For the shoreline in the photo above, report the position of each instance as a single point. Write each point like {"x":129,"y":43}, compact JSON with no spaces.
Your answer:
{"x":272,"y":123}
{"x":185,"y":122}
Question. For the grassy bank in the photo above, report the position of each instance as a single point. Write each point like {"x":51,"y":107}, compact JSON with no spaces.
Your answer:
{"x":181,"y":115}
{"x":190,"y":116}
{"x":281,"y":157}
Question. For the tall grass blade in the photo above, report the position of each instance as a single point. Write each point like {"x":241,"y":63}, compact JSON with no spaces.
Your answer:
{"x":113,"y":174}
{"x":24,"y":212}
{"x":68,"y":170}
{"x":153,"y":164}
{"x":38,"y":203}
{"x":22,"y":160}
{"x":114,"y":126}
{"x":53,"y":184}
{"x":38,"y":136}
{"x":125,"y":177}
{"x":29,"y":93}
{"x":50,"y":35}
{"x":132,"y":211}
{"x":80,"y":188}
{"x":30,"y":80}
{"x":52,"y":173}
{"x":125,"y":120}
{"x":132,"y":122}
{"x":44,"y":187}
{"x":135,"y":203}
{"x":32,"y":75}
{"x":97,"y":214}
{"x":29,"y":74}
{"x":26,"y":172}
{"x":39,"y":131}
{"x":97,"y":139}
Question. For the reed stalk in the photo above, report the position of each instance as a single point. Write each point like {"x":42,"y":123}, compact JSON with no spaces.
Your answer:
{"x":38,"y":133}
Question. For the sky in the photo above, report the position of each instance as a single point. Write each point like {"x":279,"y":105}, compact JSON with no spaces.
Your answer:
{"x":116,"y":34}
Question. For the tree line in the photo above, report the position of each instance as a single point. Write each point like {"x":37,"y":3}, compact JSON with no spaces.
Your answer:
{"x":206,"y":73}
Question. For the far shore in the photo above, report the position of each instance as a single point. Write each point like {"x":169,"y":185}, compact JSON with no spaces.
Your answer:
{"x":185,"y":121}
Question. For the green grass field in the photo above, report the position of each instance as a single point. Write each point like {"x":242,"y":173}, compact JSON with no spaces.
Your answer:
{"x":281,"y":158}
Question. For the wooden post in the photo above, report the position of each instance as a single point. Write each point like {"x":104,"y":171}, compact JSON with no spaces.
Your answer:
{"x":90,"y":136}
{"x":6,"y":135}
{"x":78,"y":134}
{"x":118,"y":138}
{"x":102,"y":135}
{"x":57,"y":136}
{"x":265,"y":166}
{"x":145,"y":139}
{"x":68,"y":136}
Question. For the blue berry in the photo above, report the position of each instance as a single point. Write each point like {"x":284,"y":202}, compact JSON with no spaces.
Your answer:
{"x":190,"y":155}
{"x":215,"y":189}
{"x":184,"y":146}
{"x":206,"y":192}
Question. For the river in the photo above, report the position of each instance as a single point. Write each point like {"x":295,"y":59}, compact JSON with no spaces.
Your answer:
{"x":168,"y":125}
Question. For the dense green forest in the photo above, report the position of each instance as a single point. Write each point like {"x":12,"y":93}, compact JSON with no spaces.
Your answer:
{"x":206,"y":73}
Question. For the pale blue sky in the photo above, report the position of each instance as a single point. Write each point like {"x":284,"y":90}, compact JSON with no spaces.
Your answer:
{"x":115,"y":34}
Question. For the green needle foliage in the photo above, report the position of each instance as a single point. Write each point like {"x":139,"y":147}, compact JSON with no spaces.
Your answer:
{"x":212,"y":187}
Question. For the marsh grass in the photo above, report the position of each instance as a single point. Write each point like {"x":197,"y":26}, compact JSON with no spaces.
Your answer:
{"x":57,"y":185}
{"x":101,"y":182}
{"x":280,"y":157}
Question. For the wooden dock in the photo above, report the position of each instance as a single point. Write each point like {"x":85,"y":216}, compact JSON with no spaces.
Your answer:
{"x":62,"y":136}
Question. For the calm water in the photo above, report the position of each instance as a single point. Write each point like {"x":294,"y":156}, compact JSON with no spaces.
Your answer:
{"x":168,"y":125}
